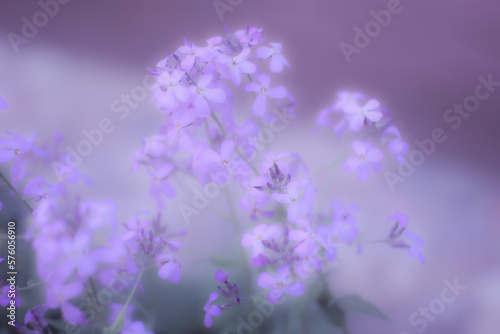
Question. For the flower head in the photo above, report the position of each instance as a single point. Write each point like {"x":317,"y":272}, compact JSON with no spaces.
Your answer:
{"x":280,"y":284}
{"x":365,"y":158}
{"x":211,"y":310}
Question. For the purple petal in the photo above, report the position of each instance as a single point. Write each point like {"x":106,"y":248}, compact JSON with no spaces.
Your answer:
{"x":294,"y":289}
{"x":266,"y":280}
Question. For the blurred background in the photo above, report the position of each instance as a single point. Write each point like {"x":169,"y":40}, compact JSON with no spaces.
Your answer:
{"x":66,"y":77}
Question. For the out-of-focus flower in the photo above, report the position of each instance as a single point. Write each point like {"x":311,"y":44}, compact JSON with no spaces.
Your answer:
{"x":280,"y":284}
{"x":170,"y":268}
{"x":14,"y":149}
{"x":169,"y":90}
{"x":221,"y":277}
{"x":395,"y":144}
{"x":211,"y":310}
{"x":357,"y":116}
{"x":366,"y":158}
{"x":414,"y":250}
{"x":261,"y":232}
{"x":59,"y":295}
{"x":299,"y":205}
{"x":262,"y":90}
{"x":278,"y":61}
{"x":202,"y":94}
{"x":238,"y":64}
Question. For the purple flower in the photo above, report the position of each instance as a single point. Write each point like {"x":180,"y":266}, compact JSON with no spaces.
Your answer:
{"x":306,"y":236}
{"x":169,"y":91}
{"x":178,"y":125}
{"x":202,"y":94}
{"x":366,"y":158}
{"x":248,"y":36}
{"x":344,"y":213}
{"x":221,"y":277}
{"x":58,"y":295}
{"x":14,"y":150}
{"x":211,"y":310}
{"x":278,"y":181}
{"x":261,"y":232}
{"x":299,"y":206}
{"x":37,"y":189}
{"x":190,"y":52}
{"x":254,"y":191}
{"x":160,"y":184}
{"x":262,"y":89}
{"x":358,"y":116}
{"x":414,"y":250}
{"x":256,"y":209}
{"x":223,"y":163}
{"x":238,"y":64}
{"x":396,"y":145}
{"x":170,"y":268}
{"x":274,"y":52}
{"x":399,"y":218}
{"x":35,"y":317}
{"x":281,"y":283}
{"x":278,"y":159}
{"x":307,"y":262}
{"x":346,"y":99}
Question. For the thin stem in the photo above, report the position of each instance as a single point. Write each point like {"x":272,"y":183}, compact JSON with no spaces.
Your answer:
{"x":31,"y":286}
{"x":11,"y":186}
{"x":208,"y":133}
{"x":129,"y":299}
{"x":94,"y":294}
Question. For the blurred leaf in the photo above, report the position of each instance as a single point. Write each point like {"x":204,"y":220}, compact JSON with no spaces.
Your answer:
{"x":356,"y":303}
{"x":299,"y":306}
{"x":334,"y":313}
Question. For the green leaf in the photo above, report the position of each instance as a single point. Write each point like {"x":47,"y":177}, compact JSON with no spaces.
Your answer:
{"x":355,"y":303}
{"x":334,"y":313}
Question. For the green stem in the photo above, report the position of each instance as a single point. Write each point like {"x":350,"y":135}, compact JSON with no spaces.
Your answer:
{"x":94,"y":294}
{"x":121,"y":315}
{"x":31,"y":286}
{"x":16,"y":192}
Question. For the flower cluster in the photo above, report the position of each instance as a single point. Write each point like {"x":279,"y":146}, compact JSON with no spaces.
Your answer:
{"x":230,"y":292}
{"x":221,"y":104}
{"x":352,"y":111}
